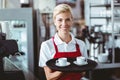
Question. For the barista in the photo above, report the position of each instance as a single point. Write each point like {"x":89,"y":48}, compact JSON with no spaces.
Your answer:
{"x":63,"y":44}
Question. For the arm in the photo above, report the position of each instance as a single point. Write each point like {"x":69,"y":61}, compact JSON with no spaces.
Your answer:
{"x":50,"y":75}
{"x":83,"y":73}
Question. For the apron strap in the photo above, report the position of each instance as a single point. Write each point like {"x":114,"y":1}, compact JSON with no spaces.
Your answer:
{"x":56,"y":49}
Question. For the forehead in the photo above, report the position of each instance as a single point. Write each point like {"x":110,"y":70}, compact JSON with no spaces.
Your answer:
{"x":64,"y":15}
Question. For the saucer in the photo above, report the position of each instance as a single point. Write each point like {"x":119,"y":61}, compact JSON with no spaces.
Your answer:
{"x":80,"y":64}
{"x":68,"y":63}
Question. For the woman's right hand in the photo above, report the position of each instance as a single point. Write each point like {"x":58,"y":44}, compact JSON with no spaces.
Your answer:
{"x":52,"y":75}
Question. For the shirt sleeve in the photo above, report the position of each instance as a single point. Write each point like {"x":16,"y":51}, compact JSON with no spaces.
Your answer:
{"x":44,"y":55}
{"x":85,"y":51}
{"x":83,"y":48}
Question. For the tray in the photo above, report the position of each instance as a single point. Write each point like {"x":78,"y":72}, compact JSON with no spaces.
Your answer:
{"x":72,"y":67}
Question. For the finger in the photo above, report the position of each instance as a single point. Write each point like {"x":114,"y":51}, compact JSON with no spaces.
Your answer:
{"x":58,"y":72}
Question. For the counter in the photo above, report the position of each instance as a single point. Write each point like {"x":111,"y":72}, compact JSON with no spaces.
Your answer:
{"x":104,"y":71}
{"x":15,"y":65}
{"x":107,"y":65}
{"x":10,"y":71}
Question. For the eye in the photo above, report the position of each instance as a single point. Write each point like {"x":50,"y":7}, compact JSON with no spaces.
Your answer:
{"x":59,"y":20}
{"x":68,"y":19}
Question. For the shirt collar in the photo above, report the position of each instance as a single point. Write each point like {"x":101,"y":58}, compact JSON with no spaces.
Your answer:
{"x":59,"y":41}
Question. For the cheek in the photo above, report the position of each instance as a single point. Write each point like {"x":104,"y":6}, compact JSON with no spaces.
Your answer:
{"x":55,"y":23}
{"x":70,"y":25}
{"x":57,"y":26}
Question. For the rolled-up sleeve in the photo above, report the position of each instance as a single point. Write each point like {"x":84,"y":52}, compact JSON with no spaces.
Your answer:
{"x":83,"y":48}
{"x":44,"y":55}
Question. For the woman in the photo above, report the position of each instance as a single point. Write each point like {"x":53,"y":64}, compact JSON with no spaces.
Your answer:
{"x":62,"y":44}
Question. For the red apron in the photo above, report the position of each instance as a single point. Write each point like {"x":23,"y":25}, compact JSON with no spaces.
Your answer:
{"x":70,"y":75}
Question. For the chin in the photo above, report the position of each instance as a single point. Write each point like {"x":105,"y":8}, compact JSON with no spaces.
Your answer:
{"x":66,"y":32}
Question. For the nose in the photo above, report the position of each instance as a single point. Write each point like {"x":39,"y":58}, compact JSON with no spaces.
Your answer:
{"x":63,"y":22}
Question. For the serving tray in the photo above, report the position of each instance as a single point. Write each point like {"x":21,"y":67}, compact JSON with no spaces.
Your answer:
{"x":72,"y":67}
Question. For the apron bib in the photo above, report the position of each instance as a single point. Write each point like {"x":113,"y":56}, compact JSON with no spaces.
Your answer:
{"x":68,"y":75}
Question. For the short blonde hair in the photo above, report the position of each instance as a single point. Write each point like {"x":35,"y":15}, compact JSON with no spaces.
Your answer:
{"x":61,"y":8}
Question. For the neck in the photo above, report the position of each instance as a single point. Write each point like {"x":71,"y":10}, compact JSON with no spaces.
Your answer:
{"x":65,"y":37}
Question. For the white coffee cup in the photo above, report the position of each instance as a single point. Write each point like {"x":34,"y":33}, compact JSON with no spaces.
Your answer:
{"x":81,"y":60}
{"x":61,"y":61}
{"x":102,"y":57}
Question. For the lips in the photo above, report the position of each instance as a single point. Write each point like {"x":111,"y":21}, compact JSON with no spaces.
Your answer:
{"x":64,"y":27}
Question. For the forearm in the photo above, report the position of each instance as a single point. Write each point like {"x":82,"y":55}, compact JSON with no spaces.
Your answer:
{"x":83,"y":73}
{"x":50,"y":75}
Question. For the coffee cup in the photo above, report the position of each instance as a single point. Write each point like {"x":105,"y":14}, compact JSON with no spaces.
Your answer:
{"x":81,"y":60}
{"x":102,"y":57}
{"x":61,"y":61}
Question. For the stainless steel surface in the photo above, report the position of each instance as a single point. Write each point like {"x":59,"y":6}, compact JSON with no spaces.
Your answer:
{"x":107,"y":65}
{"x":10,"y":65}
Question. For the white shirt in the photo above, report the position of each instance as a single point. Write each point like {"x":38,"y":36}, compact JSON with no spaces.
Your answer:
{"x":47,"y":50}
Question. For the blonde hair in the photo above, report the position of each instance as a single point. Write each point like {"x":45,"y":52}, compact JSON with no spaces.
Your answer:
{"x":61,"y":8}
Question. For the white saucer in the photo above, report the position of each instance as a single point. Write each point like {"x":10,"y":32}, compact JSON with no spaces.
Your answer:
{"x":68,"y":63}
{"x":80,"y":64}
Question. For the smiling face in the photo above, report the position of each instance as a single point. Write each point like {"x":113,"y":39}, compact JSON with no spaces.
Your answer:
{"x":63,"y":22}
{"x":63,"y":19}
